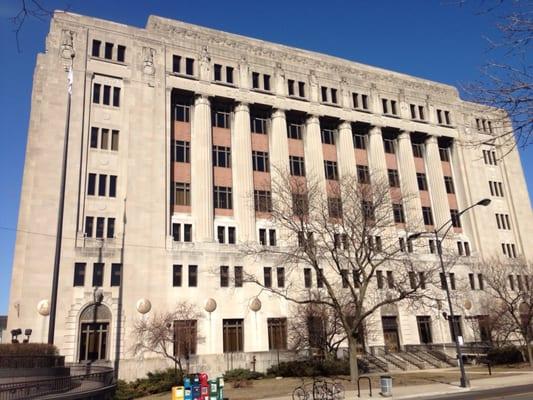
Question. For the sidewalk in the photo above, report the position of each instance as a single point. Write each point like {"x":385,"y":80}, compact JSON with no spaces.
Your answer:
{"x":436,"y":389}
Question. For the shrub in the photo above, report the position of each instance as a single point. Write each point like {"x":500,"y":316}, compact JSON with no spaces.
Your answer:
{"x":28,"y":349}
{"x":315,"y":368}
{"x":509,"y":354}
{"x":155,"y":382}
{"x":240,"y":374}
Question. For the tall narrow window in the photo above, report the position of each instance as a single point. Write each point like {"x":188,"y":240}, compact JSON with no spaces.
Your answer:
{"x":193,"y":275}
{"x":79,"y":274}
{"x":112,"y":186}
{"x":177,"y":271}
{"x":96,"y":93}
{"x":102,"y":180}
{"x":116,"y":97}
{"x":91,"y":184}
{"x":100,"y":222}
{"x":187,"y":232}
{"x":98,"y":274}
{"x":110,"y":228}
{"x":267,"y":276}
{"x":277,"y":333}
{"x":96,"y":48}
{"x":233,"y":335}
{"x":116,"y":274}
{"x":176,"y":63}
{"x":224,"y":276}
{"x":107,"y":95}
{"x":280,"y":273}
{"x":189,"y":66}
{"x":114,"y":140}
{"x":121,"y":53}
{"x":108,"y":52}
{"x":307,"y":277}
{"x":89,"y":221}
{"x":239,"y":276}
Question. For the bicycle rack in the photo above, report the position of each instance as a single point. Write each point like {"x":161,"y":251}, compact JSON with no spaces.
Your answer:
{"x":369,"y":385}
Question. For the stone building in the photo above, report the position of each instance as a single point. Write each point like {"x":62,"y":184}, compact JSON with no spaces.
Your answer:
{"x":173,"y":127}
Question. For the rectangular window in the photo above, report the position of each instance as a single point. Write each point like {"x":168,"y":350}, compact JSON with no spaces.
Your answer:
{"x":330,"y":170}
{"x":300,"y":205}
{"x":390,"y":280}
{"x":114,"y":140}
{"x":107,"y":95}
{"x":452,"y":280}
{"x":444,"y":154}
{"x":379,"y":279}
{"x":260,"y":161}
{"x":121,"y":53}
{"x":324,"y":92}
{"x":110,"y":228}
{"x":176,"y":64}
{"x":448,"y":183}
{"x":334,"y":96}
{"x":94,"y":138}
{"x":422,"y":182}
{"x":460,"y":250}
{"x":262,"y":201}
{"x":98,"y":274}
{"x":335,"y":207}
{"x":267,"y":277}
{"x":116,"y":97}
{"x":189,"y":66}
{"x":239,"y":276}
{"x":231,"y":235}
{"x":177,"y":271}
{"x":266,"y":82}
{"x":187,"y":232}
{"x":394,"y":178}
{"x":116,"y":274}
{"x":327,"y":136}
{"x":467,"y":249}
{"x":255,"y":80}
{"x":182,"y":194}
{"x":258,"y":125}
{"x":272,"y":236}
{"x":481,"y":283}
{"x":388,"y":145}
{"x":91,"y":185}
{"x":277,"y":333}
{"x":359,"y":141}
{"x":262,"y":237}
{"x":221,"y":157}
{"x":108,"y":52}
{"x":224,"y":276}
{"x":218,"y":72}
{"x":193,"y":275}
{"x":176,"y":232}
{"x":363,"y":174}
{"x":472,"y":281}
{"x":233,"y":335}
{"x":112,"y":186}
{"x":182,"y":151}
{"x":320,"y":278}
{"x":297,"y":165}
{"x":280,"y":273}
{"x":104,"y":139}
{"x":301,"y":89}
{"x":185,"y":337}
{"x":427,"y":215}
{"x":79,"y":274}
{"x":223,"y":197}
{"x":100,"y":222}
{"x":290,"y":87}
{"x":399,"y":216}
{"x":418,"y":150}
{"x":344,"y":278}
{"x":307,"y":277}
{"x":229,"y":74}
{"x":96,"y":93}
{"x":96,"y":48}
{"x":221,"y":232}
{"x":182,"y":112}
{"x":294,"y":131}
{"x":456,"y":219}
{"x":89,"y":221}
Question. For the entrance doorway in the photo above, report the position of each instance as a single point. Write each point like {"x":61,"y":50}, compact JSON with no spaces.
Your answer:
{"x":424,"y":329}
{"x":94,"y":333}
{"x":390,"y":334}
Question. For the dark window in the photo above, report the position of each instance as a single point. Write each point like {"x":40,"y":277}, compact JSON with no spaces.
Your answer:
{"x":262,"y":237}
{"x":182,"y":194}
{"x":412,"y":279}
{"x":91,"y":185}
{"x":422,"y":181}
{"x":104,"y":139}
{"x":334,"y":96}
{"x":177,"y":271}
{"x":444,"y":154}
{"x":121,"y":53}
{"x":238,"y":276}
{"x":258,"y":125}
{"x":363,"y":174}
{"x":96,"y":93}
{"x":116,"y":97}
{"x":182,"y":151}
{"x":448,"y":182}
{"x":301,"y":89}
{"x":176,"y":63}
{"x":94,"y":138}
{"x":294,"y":131}
{"x":401,"y":242}
{"x":100,"y":222}
{"x":297,"y":165}
{"x":330,"y":170}
{"x":221,"y":232}
{"x":221,"y":118}
{"x":260,"y":161}
{"x":218,"y":72}
{"x":233,"y":335}
{"x":388,"y":144}
{"x":307,"y":277}
{"x":280,"y":273}
{"x":223,"y":197}
{"x":335,"y":207}
{"x":266,"y":82}
{"x":262,"y":201}
{"x":456,"y":219}
{"x":427,"y":215}
{"x":193,"y":275}
{"x":224,"y":276}
{"x":452,"y":280}
{"x":229,"y":74}
{"x":300,"y":206}
{"x":182,"y":112}
{"x":481,"y":283}
{"x":267,"y":276}
{"x":399,"y":216}
{"x":320,"y":278}
{"x":390,"y":280}
{"x":277,"y":333}
{"x":112,"y":186}
{"x":418,"y":150}
{"x":108,"y":52}
{"x":231,"y":235}
{"x":290,"y":87}
{"x":412,"y":107}
{"x":460,"y":249}
{"x":102,"y":179}
{"x":221,"y":156}
{"x":255,"y":80}
{"x":324,"y":91}
{"x":327,"y":136}
{"x":272,"y":236}
{"x":359,"y":141}
{"x":116,"y":273}
{"x":189,"y":66}
{"x":79,"y":274}
{"x":467,"y":248}
{"x":89,"y":221}
{"x":185,"y":337}
{"x":110,"y":228}
{"x":379,"y":279}
{"x":96,"y":48}
{"x":344,"y":278}
{"x":472,"y":281}
{"x":394,"y":178}
{"x":98,"y":274}
{"x":107,"y":95}
{"x":367,"y":210}
{"x":114,"y":140}
{"x":187,"y":232}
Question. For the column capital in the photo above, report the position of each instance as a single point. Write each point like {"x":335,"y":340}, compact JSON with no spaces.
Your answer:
{"x":345,"y":125}
{"x":201,"y":99}
{"x":278,"y":113}
{"x":431,"y":140}
{"x":375,"y":130}
{"x":404,"y":135}
{"x":312,"y":119}
{"x":242,"y":107}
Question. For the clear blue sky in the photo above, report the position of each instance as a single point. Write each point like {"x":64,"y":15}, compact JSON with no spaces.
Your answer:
{"x":433,"y":39}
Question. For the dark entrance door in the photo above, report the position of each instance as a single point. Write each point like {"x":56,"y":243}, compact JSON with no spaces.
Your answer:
{"x":424,"y":329}
{"x":93,"y":341}
{"x":390,"y":334}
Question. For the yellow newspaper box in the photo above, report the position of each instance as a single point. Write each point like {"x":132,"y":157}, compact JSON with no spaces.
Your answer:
{"x":178,"y":393}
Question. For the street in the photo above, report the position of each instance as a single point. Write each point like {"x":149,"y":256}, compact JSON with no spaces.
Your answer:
{"x":521,"y":392}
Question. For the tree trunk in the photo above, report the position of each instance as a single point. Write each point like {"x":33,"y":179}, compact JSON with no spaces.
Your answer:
{"x":352,"y":350}
{"x":529,"y":353}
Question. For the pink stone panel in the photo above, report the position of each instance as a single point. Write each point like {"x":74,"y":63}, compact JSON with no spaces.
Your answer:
{"x":330,"y":152}
{"x":452,"y":201}
{"x":259,"y":142}
{"x":446,"y":168}
{"x":261,"y":180}
{"x":263,"y":215}
{"x":221,"y":137}
{"x":396,"y":195}
{"x":222,"y":176}
{"x":361,"y":157}
{"x":182,"y":131}
{"x":224,"y":212}
{"x":182,"y":209}
{"x":424,"y":198}
{"x":182,"y":172}
{"x":296,"y":147}
{"x":391,"y":161}
{"x":298,"y":183}
{"x":333,"y":188}
{"x":419,"y":164}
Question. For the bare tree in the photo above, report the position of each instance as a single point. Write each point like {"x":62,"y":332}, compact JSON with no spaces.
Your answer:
{"x":171,"y":334}
{"x":509,"y":287}
{"x":29,"y":9}
{"x":351,"y":248}
{"x":506,"y":80}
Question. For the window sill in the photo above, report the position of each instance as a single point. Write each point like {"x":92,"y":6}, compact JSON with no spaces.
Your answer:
{"x":294,"y":97}
{"x":391,"y":115}
{"x":222,"y":83}
{"x":365,"y":110}
{"x":122,"y":63}
{"x":258,"y":90}
{"x":181,"y":75}
{"x":327,"y":103}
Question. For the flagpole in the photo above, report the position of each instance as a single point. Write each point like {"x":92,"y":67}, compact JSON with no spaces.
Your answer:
{"x":61,"y":208}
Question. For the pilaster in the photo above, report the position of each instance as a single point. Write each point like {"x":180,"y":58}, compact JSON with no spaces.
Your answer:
{"x":437,"y":189}
{"x":408,"y":182}
{"x":345,"y":151}
{"x":314,"y":157}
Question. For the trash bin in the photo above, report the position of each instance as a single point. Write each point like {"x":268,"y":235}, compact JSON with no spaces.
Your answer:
{"x":385,"y":382}
{"x":178,"y":393}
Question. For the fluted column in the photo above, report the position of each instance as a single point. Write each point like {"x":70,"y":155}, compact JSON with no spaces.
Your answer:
{"x":376,"y":157}
{"x":345,"y":151}
{"x":279,"y":147}
{"x":242,"y":174}
{"x":314,"y":157}
{"x":202,"y":171}
{"x":408,"y":182}
{"x":437,"y":190}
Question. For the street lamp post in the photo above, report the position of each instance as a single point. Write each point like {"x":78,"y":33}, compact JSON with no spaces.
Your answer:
{"x":438,"y":243}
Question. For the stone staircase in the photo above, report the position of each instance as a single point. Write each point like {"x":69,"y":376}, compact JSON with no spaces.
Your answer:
{"x":413,"y":359}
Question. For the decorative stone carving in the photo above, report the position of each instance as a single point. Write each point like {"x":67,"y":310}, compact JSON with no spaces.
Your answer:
{"x":255,"y":304}
{"x":244,"y":69}
{"x":279,"y":79}
{"x":205,"y":64}
{"x":43,"y":307}
{"x":210,"y":305}
{"x":67,"y":44}
{"x":313,"y":86}
{"x":143,"y":306}
{"x":148,"y":61}
{"x":468,"y":304}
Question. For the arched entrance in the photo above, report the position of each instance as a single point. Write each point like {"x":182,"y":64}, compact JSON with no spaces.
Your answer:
{"x":94,"y":333}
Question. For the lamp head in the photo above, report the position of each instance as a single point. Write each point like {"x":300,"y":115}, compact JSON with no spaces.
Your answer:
{"x":484,"y":202}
